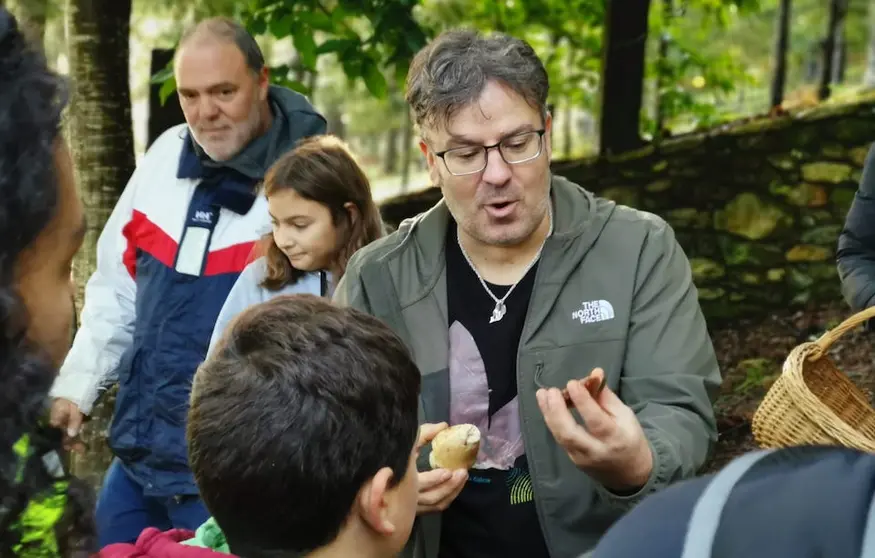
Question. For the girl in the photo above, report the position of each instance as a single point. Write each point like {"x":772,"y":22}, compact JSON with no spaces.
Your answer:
{"x":321,"y":211}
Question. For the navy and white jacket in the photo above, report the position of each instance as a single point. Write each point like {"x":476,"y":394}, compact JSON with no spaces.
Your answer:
{"x":173,"y":247}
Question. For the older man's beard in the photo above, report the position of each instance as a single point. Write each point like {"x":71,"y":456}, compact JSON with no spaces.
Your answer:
{"x":240,"y":135}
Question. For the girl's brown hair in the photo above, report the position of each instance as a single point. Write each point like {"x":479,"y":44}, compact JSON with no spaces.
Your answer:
{"x":322,"y":169}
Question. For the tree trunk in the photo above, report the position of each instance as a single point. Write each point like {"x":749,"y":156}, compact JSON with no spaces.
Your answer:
{"x":568,"y":122}
{"x":782,"y":41}
{"x":869,"y":77}
{"x":311,"y":86}
{"x":840,"y":58}
{"x":622,"y":84}
{"x":161,"y":116}
{"x":390,"y":156}
{"x":102,"y":145}
{"x":569,"y":108}
{"x":813,"y":62}
{"x":334,"y":116}
{"x":838,"y":9}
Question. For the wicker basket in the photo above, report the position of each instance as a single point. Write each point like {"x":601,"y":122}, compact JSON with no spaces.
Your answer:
{"x":813,"y":402}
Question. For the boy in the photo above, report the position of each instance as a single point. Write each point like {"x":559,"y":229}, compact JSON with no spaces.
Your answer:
{"x":302,"y":438}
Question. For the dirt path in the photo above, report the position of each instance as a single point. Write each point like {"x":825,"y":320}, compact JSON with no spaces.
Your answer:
{"x":751,"y":355}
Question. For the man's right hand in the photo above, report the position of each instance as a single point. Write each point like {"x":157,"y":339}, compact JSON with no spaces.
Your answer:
{"x":438,"y":487}
{"x":66,"y":415}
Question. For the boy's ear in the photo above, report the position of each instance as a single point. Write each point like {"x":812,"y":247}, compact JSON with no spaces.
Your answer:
{"x":375,"y":501}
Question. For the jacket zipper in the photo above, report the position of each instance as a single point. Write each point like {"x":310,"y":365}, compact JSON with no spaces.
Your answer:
{"x":539,"y":366}
{"x":524,"y":416}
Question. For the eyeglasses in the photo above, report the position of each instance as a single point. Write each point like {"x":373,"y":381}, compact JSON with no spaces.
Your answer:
{"x":515,"y":149}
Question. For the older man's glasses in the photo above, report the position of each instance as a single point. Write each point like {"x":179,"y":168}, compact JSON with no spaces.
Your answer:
{"x":515,"y":149}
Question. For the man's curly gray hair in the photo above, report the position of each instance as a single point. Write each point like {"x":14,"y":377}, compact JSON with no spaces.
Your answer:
{"x":451,"y":72}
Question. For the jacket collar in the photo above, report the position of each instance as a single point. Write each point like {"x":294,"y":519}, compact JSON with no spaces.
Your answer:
{"x":231,"y":189}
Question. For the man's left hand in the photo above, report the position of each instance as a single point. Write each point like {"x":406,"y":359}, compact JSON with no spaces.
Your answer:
{"x":612,"y":447}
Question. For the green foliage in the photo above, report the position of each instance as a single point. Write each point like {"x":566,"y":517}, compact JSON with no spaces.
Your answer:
{"x":694,"y":80}
{"x":361,"y":50}
{"x":757,"y":372}
{"x":369,"y":38}
{"x":167,"y":80}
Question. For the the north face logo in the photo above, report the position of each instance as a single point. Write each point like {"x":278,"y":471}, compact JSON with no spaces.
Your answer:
{"x":593,"y":311}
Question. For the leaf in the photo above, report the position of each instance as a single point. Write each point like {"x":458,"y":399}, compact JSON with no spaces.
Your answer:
{"x":167,"y":89}
{"x":374,"y":79}
{"x":317,"y":20}
{"x":352,"y":65}
{"x":337,"y":45}
{"x":306,"y":47}
{"x":280,"y":71}
{"x":257,"y":26}
{"x":281,"y":27}
{"x":162,"y":75}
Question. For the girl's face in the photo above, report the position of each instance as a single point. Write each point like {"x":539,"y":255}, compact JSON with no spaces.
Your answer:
{"x":303,"y":230}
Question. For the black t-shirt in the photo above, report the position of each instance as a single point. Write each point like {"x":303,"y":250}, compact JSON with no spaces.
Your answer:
{"x":494,"y":516}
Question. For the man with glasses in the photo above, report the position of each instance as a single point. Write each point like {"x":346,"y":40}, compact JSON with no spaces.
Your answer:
{"x":533,"y":308}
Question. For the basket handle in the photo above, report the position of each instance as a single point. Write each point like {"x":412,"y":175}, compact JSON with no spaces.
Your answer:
{"x":827,"y":339}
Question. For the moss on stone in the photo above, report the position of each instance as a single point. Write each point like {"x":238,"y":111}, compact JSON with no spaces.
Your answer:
{"x":833,"y":151}
{"x":808,"y":253}
{"x":826,"y":171}
{"x":658,"y":186}
{"x":826,"y":234}
{"x":749,"y":216}
{"x":704,"y":269}
{"x":688,"y":217}
{"x":739,"y":252}
{"x":802,"y":195}
{"x":711,"y":293}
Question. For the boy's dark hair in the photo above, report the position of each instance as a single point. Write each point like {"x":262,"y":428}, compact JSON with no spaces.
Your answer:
{"x":32,"y":99}
{"x":298,"y":406}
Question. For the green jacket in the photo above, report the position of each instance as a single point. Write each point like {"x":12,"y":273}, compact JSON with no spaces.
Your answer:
{"x":613,"y":290}
{"x":209,"y":535}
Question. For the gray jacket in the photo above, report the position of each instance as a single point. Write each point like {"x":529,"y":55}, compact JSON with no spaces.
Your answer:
{"x":648,"y":334}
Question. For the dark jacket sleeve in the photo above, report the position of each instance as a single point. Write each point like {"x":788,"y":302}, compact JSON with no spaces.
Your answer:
{"x":855,"y":255}
{"x":800,"y":502}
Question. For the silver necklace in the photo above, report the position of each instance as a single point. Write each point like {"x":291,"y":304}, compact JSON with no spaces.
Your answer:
{"x":500,"y":309}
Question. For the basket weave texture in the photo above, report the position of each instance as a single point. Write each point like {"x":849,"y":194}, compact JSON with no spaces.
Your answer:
{"x":813,"y":402}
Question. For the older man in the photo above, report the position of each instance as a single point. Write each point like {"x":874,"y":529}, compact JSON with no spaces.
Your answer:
{"x":167,"y":258}
{"x":519,"y":284}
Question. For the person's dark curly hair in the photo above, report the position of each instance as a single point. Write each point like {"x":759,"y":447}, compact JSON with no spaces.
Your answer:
{"x":32,"y":99}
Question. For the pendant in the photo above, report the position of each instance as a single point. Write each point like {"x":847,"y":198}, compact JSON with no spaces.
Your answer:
{"x":498,"y":312}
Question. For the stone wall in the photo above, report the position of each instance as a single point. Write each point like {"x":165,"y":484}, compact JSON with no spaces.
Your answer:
{"x":757,"y":205}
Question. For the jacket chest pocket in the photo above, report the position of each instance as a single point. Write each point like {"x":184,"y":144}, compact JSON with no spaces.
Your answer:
{"x":555,"y":367}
